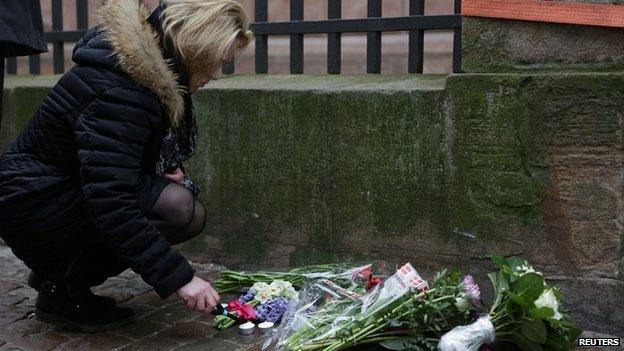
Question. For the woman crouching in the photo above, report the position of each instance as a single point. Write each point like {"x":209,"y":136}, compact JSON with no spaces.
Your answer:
{"x":95,"y":184}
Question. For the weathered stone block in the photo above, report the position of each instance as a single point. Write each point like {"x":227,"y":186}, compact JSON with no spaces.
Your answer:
{"x":499,"y":45}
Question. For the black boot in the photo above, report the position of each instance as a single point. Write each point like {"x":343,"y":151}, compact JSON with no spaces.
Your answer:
{"x":35,"y":282}
{"x":60,"y":305}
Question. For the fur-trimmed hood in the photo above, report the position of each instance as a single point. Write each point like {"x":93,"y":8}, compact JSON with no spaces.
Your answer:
{"x":137,"y":48}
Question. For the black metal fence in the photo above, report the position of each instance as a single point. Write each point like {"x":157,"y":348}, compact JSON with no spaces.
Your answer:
{"x":416,"y":23}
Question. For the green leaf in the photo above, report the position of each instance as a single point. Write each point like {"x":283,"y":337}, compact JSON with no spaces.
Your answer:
{"x":565,"y":329}
{"x":494,"y":279}
{"x":499,"y":281}
{"x":519,"y":300}
{"x":401,"y":343}
{"x":557,"y":342}
{"x":500,"y":261}
{"x":534,"y":330}
{"x":525,"y":344}
{"x":514,"y":311}
{"x":574,"y":333}
{"x":530,"y":286}
{"x":503,"y":281}
{"x":542,"y":312}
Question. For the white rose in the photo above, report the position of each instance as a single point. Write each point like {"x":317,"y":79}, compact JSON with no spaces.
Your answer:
{"x":263,"y":295}
{"x":281,"y":284}
{"x":260,"y":286}
{"x":548,"y":299}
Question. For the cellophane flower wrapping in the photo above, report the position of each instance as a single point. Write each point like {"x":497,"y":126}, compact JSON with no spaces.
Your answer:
{"x":235,"y":281}
{"x":325,"y":308}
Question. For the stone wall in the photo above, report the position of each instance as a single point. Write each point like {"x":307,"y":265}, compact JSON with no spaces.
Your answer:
{"x":434,"y":170}
{"x":424,"y":170}
{"x":497,"y":45}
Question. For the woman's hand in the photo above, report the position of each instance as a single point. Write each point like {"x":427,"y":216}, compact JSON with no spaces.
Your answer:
{"x":177,"y":176}
{"x":199,"y":295}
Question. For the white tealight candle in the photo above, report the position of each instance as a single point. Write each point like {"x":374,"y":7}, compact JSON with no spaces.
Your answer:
{"x":265,"y":327}
{"x":247,"y":328}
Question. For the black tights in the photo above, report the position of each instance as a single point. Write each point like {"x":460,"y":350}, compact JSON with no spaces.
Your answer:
{"x":177,"y":214}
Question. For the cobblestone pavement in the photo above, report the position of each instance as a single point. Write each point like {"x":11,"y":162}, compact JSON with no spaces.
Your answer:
{"x":160,"y":325}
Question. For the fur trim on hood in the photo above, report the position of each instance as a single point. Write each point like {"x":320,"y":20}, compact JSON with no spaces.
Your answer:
{"x":137,"y":47}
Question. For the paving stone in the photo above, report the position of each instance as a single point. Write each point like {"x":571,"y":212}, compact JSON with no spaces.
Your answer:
{"x":203,"y":317}
{"x":100,"y":341}
{"x":28,"y":303}
{"x":38,"y":341}
{"x":207,"y":344}
{"x":187,"y":331}
{"x":22,"y":327}
{"x":140,"y":310}
{"x":124,"y":291}
{"x":110,"y":282}
{"x":72,"y":334}
{"x":24,"y":291}
{"x":8,"y":285}
{"x":140,"y":328}
{"x":171,"y":314}
{"x":17,"y":273}
{"x":151,"y":298}
{"x":150,"y":344}
{"x":233,"y":334}
{"x":11,"y":315}
{"x":10,"y":300}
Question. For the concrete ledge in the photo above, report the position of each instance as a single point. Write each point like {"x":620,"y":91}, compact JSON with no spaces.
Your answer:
{"x":330,"y":83}
{"x":434,"y":170}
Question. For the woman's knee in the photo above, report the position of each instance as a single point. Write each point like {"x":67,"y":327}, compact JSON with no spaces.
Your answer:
{"x":199,"y":220}
{"x":176,"y":205}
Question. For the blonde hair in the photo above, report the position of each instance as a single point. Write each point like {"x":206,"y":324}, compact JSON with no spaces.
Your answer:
{"x":202,"y":31}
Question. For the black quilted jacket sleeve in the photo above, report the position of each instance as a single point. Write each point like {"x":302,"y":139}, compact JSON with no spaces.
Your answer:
{"x":111,"y":134}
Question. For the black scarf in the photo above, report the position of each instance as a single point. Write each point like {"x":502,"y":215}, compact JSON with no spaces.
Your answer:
{"x":178,"y":143}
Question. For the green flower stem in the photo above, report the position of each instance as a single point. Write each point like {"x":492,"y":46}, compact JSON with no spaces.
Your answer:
{"x":377,"y":339}
{"x":233,"y":281}
{"x":384,"y":319}
{"x":381,"y":322}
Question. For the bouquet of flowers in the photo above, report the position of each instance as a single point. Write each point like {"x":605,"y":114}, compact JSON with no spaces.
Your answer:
{"x":405,"y":313}
{"x":402,"y":313}
{"x":262,"y":302}
{"x":341,"y":274}
{"x":269,"y":294}
{"x":526,"y":312}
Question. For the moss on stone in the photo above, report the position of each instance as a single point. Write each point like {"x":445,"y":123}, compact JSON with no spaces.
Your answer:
{"x":504,"y":46}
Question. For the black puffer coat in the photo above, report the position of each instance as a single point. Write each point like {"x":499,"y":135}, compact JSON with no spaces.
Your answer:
{"x":21,"y":28}
{"x":80,"y":167}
